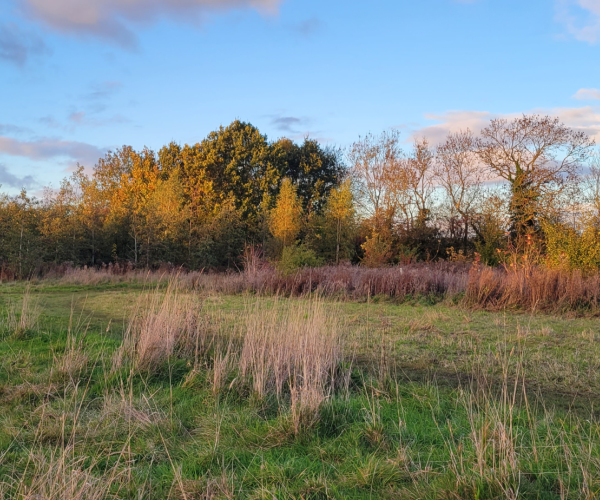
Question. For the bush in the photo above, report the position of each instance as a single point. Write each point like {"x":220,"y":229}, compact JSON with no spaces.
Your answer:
{"x":297,"y":257}
{"x":567,"y":247}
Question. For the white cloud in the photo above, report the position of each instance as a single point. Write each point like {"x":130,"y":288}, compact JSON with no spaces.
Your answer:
{"x":581,"y":18}
{"x":587,"y":95}
{"x":47,"y":148}
{"x":452,"y":121}
{"x":586,"y":118}
{"x":110,"y":18}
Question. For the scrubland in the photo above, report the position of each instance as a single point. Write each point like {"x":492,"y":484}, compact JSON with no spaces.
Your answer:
{"x":422,"y":382}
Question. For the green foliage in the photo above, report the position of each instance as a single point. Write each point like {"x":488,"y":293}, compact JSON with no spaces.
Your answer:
{"x":567,"y":247}
{"x":295,"y":257}
{"x":220,"y":239}
{"x":21,"y":246}
{"x":240,"y":165}
{"x":313,"y":169}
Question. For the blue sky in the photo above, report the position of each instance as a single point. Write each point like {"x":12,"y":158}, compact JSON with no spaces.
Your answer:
{"x":79,"y":77}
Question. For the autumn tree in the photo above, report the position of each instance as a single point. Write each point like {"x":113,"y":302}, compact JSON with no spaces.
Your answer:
{"x":285,"y":219}
{"x":313,"y":169}
{"x":591,"y":188}
{"x":165,"y":222}
{"x":60,"y":224}
{"x":127,"y":179}
{"x":416,"y":177}
{"x":93,"y":211}
{"x":376,"y":167}
{"x":21,"y":245}
{"x":238,"y":163}
{"x":339,"y":220}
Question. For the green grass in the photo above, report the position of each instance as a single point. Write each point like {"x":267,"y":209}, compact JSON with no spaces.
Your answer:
{"x":442,"y":403}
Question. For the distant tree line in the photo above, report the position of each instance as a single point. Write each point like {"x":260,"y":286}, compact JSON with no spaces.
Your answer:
{"x":519,"y":184}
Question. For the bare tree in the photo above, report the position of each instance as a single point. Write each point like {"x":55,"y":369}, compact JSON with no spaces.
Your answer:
{"x":420,"y":178}
{"x":535,"y":155}
{"x":458,"y":172}
{"x":591,"y":187}
{"x":375,"y":167}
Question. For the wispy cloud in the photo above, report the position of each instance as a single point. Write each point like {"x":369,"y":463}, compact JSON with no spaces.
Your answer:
{"x":451,"y":121}
{"x":586,"y":119}
{"x":11,"y":180}
{"x":77,"y":117}
{"x":51,"y":148}
{"x":82,"y":118}
{"x":7,"y":128}
{"x":581,"y":18}
{"x":289,"y":124}
{"x":111,"y":19}
{"x":308,"y":27}
{"x":50,"y":121}
{"x":103,"y":90}
{"x":18,"y":46}
{"x":587,"y":95}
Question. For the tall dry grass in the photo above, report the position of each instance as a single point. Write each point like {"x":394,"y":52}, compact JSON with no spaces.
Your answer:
{"x":511,"y":441}
{"x":292,"y":351}
{"x":60,"y":475}
{"x":532,"y":288}
{"x":164,"y":322}
{"x":22,"y":317}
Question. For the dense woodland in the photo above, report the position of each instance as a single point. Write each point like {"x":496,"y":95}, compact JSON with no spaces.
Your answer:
{"x":527,"y":187}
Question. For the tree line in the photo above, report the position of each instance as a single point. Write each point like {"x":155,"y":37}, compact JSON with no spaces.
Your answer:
{"x":529,"y":182}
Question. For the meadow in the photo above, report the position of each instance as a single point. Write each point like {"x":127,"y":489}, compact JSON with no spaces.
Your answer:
{"x":188,"y":387}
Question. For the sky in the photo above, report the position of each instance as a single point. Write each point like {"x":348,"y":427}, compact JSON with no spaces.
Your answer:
{"x":81,"y":77}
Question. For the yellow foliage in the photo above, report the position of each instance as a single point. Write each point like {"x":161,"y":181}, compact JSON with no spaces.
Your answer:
{"x":285,"y":219}
{"x":573,"y":248}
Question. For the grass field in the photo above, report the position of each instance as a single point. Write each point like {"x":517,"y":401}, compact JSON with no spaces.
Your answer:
{"x":127,"y":391}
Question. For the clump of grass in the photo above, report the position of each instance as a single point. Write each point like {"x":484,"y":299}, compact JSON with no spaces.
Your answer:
{"x":224,"y":361}
{"x":74,"y":360}
{"x":292,"y":351}
{"x":19,"y":320}
{"x":59,"y":476}
{"x":163,"y":322}
{"x":296,"y":348}
{"x":373,"y":430}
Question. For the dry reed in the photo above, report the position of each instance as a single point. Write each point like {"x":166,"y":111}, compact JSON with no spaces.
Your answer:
{"x":531,"y":287}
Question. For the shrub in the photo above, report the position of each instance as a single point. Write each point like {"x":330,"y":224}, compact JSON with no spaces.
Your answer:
{"x":566,"y":247}
{"x":297,"y":257}
{"x":378,"y":252}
